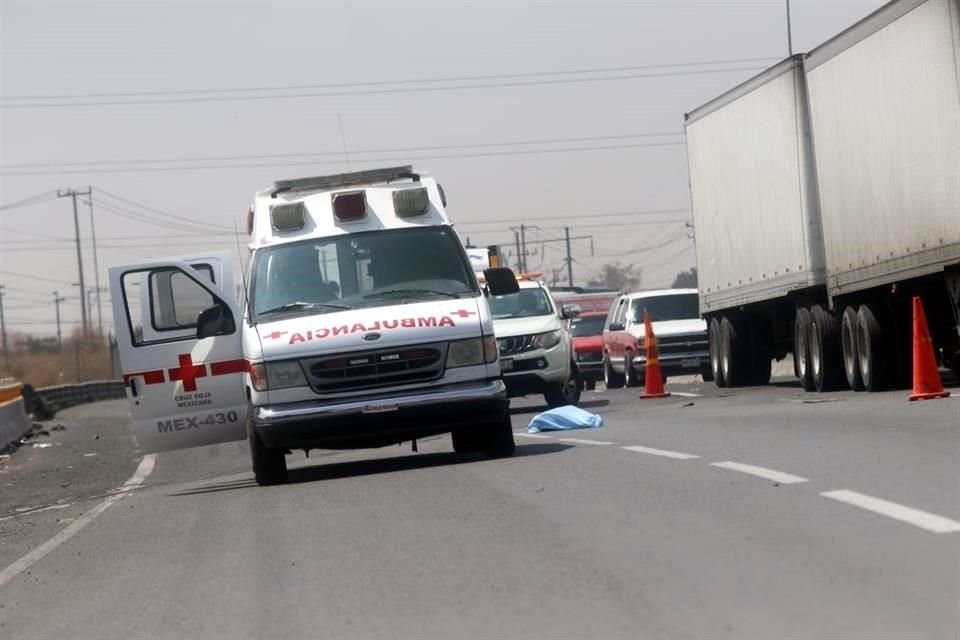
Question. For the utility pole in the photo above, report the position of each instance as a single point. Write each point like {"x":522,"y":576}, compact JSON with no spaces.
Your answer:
{"x":523,"y":248}
{"x":3,"y":325}
{"x":516,"y":238}
{"x":789,"y":32}
{"x":96,"y":265}
{"x":57,"y":300}
{"x":73,"y":193}
{"x":566,"y":235}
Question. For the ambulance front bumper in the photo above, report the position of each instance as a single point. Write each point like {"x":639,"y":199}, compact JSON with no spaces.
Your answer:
{"x":382,"y":419}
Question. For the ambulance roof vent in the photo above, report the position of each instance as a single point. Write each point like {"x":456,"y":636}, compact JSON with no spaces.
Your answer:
{"x":288,"y":217}
{"x":373,"y":176}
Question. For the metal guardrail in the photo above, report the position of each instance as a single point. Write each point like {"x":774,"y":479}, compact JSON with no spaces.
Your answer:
{"x":45,"y":401}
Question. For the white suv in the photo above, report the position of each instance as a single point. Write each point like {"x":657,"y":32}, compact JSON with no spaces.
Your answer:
{"x":535,"y":343}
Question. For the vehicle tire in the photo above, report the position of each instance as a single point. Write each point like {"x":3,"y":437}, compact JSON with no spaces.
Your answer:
{"x":801,"y":348}
{"x":269,"y":465}
{"x":872,"y":353}
{"x":716,"y":373}
{"x":848,"y":343}
{"x":589,"y":385}
{"x":734,"y":354}
{"x":761,"y":359}
{"x":467,"y":441}
{"x":611,"y":379}
{"x":563,"y":393}
{"x":498,"y":441}
{"x":826,"y":354}
{"x":630,"y":377}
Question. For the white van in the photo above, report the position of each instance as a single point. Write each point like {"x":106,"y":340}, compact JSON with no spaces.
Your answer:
{"x":362,"y":325}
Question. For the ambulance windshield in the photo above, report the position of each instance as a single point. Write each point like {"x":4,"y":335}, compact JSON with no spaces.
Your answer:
{"x":368,"y":269}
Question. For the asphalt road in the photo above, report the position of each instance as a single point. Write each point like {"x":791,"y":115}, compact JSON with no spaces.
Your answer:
{"x":672,"y":538}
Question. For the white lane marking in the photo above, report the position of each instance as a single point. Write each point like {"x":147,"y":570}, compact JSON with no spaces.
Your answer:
{"x":762,"y":472}
{"x":676,"y":455}
{"x":530,"y":435}
{"x":581,"y":441}
{"x":924,"y":520}
{"x":686,"y":394}
{"x":143,"y":470}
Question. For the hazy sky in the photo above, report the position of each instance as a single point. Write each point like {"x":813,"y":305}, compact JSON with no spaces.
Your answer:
{"x":575,"y":147}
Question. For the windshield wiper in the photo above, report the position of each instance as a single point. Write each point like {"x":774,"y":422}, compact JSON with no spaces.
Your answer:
{"x":290,"y":306}
{"x":390,"y":292}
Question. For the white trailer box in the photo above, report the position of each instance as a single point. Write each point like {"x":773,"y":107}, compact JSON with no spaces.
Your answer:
{"x":885,"y":108}
{"x":753,"y":191}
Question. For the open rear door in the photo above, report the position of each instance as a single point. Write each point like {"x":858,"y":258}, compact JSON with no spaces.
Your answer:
{"x":184,"y":390}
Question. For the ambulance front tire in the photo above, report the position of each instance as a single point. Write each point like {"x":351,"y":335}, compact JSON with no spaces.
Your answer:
{"x":495,"y":441}
{"x":269,"y":465}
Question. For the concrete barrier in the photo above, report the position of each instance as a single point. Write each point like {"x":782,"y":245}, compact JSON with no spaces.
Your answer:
{"x":13,"y":417}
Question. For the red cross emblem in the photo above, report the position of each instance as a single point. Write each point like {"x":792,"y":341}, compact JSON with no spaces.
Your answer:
{"x":275,"y":335}
{"x":187,"y":372}
{"x":463,"y":313}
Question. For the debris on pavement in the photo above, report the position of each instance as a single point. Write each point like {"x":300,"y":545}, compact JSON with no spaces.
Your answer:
{"x":563,"y":419}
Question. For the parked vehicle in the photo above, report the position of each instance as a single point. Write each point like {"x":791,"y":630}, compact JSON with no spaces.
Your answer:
{"x":826,"y":195}
{"x":363,"y":325}
{"x":587,"y":330}
{"x":536,"y":348}
{"x":680,"y":332}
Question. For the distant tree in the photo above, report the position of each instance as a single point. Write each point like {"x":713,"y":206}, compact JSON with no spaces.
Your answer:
{"x":686,"y":279}
{"x":617,"y":276}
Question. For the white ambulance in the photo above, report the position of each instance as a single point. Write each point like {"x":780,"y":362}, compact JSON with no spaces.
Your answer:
{"x":361,"y":325}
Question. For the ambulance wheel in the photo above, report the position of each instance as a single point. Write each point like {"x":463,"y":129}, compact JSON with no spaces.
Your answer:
{"x":269,"y":465}
{"x":498,"y":441}
{"x":560,"y":394}
{"x":611,"y":379}
{"x":467,"y":441}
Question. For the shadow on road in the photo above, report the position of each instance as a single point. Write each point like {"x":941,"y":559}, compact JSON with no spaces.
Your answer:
{"x":587,"y":404}
{"x":357,"y":468}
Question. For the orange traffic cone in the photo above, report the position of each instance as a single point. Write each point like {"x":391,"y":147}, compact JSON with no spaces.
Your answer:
{"x":926,"y":377}
{"x":653,"y":387}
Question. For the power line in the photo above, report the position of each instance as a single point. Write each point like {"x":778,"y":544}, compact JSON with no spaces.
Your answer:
{"x":584,"y":216}
{"x":33,"y":277}
{"x":32,"y":200}
{"x":371,"y":160}
{"x":338,"y":154}
{"x":139,"y":216}
{"x":165,"y":214}
{"x":372,"y":87}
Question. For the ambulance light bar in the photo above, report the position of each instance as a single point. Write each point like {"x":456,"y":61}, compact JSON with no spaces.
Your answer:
{"x":288,"y":217}
{"x":411,"y":202}
{"x":339,"y":181}
{"x":350,"y":206}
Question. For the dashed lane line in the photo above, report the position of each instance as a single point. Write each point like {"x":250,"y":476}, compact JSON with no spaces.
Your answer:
{"x":24,"y":563}
{"x":760,"y":472}
{"x":582,"y":441}
{"x":676,"y":455}
{"x":928,"y":521}
{"x":524,"y":434}
{"x":686,"y":394}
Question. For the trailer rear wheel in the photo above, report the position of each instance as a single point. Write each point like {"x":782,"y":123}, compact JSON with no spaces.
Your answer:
{"x":734,"y":352}
{"x":848,"y":342}
{"x":801,"y":348}
{"x":826,"y":354}
{"x":715,"y":368}
{"x":872,"y":352}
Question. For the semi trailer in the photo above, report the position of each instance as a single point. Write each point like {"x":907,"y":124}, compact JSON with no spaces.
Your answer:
{"x":826,"y":195}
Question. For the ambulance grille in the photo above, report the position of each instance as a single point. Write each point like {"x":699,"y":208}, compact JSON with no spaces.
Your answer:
{"x":382,"y":368}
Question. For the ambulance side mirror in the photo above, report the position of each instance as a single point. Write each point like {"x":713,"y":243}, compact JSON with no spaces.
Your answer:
{"x":215,"y":321}
{"x":500,"y":281}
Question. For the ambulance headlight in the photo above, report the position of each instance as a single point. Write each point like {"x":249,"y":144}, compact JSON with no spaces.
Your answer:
{"x":464,"y":353}
{"x":285,"y":374}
